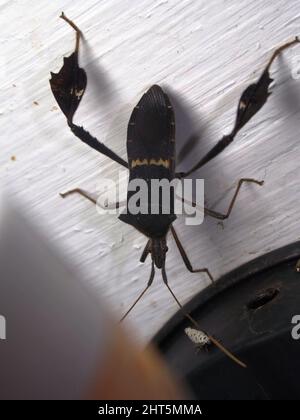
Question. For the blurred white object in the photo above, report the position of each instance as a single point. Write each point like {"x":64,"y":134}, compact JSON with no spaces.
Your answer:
{"x":55,"y":328}
{"x":60,"y":343}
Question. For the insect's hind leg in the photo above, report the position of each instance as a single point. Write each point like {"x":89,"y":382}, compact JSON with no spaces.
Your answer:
{"x":251,"y":101}
{"x":68,"y":87}
{"x":223,"y":216}
{"x":93,"y":142}
{"x":76,"y":29}
{"x":186,"y":259}
{"x":280,"y":49}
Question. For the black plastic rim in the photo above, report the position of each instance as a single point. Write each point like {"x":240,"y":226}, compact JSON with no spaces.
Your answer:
{"x":265,"y":293}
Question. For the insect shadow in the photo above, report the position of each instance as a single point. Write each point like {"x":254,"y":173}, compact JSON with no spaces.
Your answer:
{"x":289,"y":96}
{"x":102,"y":85}
{"x":151,"y":156}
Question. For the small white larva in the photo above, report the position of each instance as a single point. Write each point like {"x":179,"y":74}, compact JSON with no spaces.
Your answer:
{"x":197,"y":337}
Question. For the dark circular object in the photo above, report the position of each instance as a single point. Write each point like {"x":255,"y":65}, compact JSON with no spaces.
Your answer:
{"x":250,"y":311}
{"x":262,"y":298}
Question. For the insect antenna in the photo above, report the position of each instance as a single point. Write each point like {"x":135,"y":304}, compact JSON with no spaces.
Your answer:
{"x":195,"y":323}
{"x":143,"y":292}
{"x":146,"y":252}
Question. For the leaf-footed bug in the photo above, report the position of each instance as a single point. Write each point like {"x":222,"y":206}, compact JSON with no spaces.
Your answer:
{"x":151,"y":155}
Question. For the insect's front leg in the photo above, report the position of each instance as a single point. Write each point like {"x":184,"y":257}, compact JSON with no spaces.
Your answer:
{"x":252,"y":100}
{"x":195,"y":323}
{"x":68,"y":87}
{"x":186,"y":259}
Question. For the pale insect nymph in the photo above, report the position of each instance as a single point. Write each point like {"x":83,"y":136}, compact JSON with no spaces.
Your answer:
{"x":198,"y":337}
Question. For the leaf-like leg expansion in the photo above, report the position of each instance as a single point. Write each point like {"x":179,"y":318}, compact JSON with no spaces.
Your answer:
{"x":68,"y":87}
{"x":252,"y":100}
{"x":186,"y":259}
{"x":69,"y":84}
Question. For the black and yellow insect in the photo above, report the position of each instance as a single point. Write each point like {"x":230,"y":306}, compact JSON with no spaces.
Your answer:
{"x":151,"y":154}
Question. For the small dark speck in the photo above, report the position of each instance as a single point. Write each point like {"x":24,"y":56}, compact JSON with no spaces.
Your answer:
{"x":13,"y":158}
{"x":14,"y":85}
{"x":35,"y":103}
{"x":221,"y":225}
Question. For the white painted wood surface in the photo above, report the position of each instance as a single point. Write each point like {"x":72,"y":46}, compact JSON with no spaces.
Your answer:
{"x":204,"y":54}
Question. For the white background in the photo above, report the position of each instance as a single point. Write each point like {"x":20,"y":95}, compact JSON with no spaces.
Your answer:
{"x":204,"y":54}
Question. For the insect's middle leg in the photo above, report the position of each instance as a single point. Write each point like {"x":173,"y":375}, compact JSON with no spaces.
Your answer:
{"x":87,"y":195}
{"x":81,"y":192}
{"x":223,"y":216}
{"x":186,"y":259}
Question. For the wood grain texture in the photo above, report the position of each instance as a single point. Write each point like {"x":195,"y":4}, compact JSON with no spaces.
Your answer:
{"x":204,"y":54}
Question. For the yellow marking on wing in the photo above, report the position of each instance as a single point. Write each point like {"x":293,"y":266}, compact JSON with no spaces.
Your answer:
{"x":139,"y":162}
{"x":156,"y":162}
{"x":160,"y":162}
